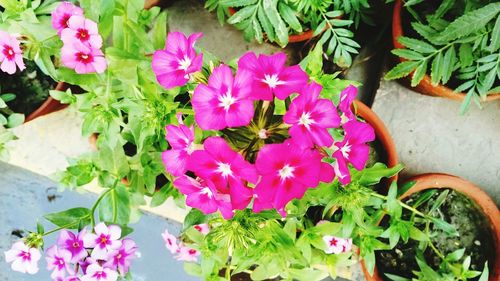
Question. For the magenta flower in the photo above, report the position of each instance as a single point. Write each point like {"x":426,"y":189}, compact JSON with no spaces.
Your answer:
{"x":170,"y":242}
{"x":104,"y":241}
{"x":311,"y":117}
{"x":82,"y":58}
{"x":352,"y":149}
{"x":337,"y":245}
{"x":287,"y":172}
{"x":202,"y":228}
{"x":83,"y":30}
{"x":203,"y":195}
{"x":173,"y":65}
{"x":62,"y":14}
{"x":95,"y":272}
{"x":122,"y":258}
{"x":271,"y":76}
{"x":73,"y":243}
{"x":10,"y":53}
{"x":59,"y":261}
{"x":224,"y":102}
{"x":347,"y":96}
{"x":72,"y":278}
{"x":187,"y":254}
{"x":23,"y":258}
{"x":181,"y":139}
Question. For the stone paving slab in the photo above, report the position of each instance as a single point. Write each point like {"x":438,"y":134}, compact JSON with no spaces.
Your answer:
{"x":431,"y":135}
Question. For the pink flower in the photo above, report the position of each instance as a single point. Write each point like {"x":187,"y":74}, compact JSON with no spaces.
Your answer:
{"x":104,"y":241}
{"x":203,"y":228}
{"x":170,"y":242}
{"x":187,"y":254}
{"x":224,"y":102}
{"x":173,"y":65}
{"x":337,"y":245}
{"x":287,"y":172}
{"x":83,"y":30}
{"x":347,"y":96}
{"x":203,"y":195}
{"x":59,"y":261}
{"x":72,"y":278}
{"x":82,"y":58}
{"x":73,"y":243}
{"x":271,"y":76}
{"x":63,"y":13}
{"x":23,"y":258}
{"x":352,"y":149}
{"x":181,"y":139}
{"x":121,"y":259}
{"x":10,"y":53}
{"x":95,"y":272}
{"x":311,"y":117}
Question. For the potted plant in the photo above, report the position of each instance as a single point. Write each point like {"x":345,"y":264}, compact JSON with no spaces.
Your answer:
{"x":458,"y":250}
{"x":444,"y":49}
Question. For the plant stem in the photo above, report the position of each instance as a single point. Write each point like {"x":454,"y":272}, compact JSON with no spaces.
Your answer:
{"x":406,"y":206}
{"x":96,"y":204}
{"x":57,"y":229}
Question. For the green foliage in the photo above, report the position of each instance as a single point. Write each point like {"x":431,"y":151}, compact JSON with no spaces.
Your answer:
{"x":71,"y":219}
{"x":467,"y":49}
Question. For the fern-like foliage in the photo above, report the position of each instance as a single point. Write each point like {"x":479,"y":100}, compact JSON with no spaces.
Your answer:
{"x":276,"y":20}
{"x":466,"y":48}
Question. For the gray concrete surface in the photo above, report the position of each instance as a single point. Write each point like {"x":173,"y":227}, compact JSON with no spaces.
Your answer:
{"x":431,"y":135}
{"x":24,"y":199}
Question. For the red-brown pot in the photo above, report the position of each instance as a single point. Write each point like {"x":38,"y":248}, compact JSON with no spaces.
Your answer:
{"x":50,"y":105}
{"x":483,"y":201}
{"x":381,"y":133}
{"x":425,"y":86}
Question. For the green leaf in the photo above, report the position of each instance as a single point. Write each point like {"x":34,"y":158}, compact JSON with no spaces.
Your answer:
{"x":449,"y":61}
{"x":159,"y":31}
{"x":194,"y":217}
{"x":113,"y":160}
{"x":64,"y":97}
{"x":439,"y":201}
{"x":15,"y":119}
{"x":407,"y":54}
{"x":419,"y":73}
{"x":455,"y":255}
{"x":396,"y":278}
{"x":237,"y":3}
{"x":417,"y":45}
{"x":437,"y":69}
{"x":192,"y":269}
{"x":115,"y":206}
{"x":71,"y":218}
{"x":160,"y":196}
{"x":401,"y":70}
{"x":465,"y":55}
{"x":2,"y":104}
{"x":289,"y":16}
{"x":242,"y":14}
{"x":373,"y":175}
{"x":417,"y":234}
{"x":495,"y":37}
{"x":485,"y":273}
{"x":445,"y":226}
{"x":266,"y":24}
{"x":270,"y":9}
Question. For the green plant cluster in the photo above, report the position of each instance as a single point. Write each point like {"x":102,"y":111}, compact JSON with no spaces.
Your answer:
{"x":458,"y":44}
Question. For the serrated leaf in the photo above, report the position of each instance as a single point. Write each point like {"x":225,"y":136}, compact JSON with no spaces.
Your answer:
{"x":417,"y":45}
{"x":320,"y":28}
{"x":266,"y":24}
{"x":407,"y":54}
{"x":465,"y":55}
{"x":419,"y":73}
{"x":242,"y":15}
{"x":437,"y":69}
{"x":237,"y":3}
{"x":401,"y":70}
{"x":289,"y":16}
{"x":270,"y":8}
{"x":449,"y":61}
{"x":495,"y":37}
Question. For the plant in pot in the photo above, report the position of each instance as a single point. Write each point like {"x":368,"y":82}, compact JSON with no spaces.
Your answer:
{"x":289,"y":21}
{"x":459,"y":249}
{"x":446,"y":50}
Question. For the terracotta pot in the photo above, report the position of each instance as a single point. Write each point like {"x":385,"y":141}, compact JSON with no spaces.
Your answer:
{"x":50,"y":105}
{"x":483,"y":201}
{"x":425,"y":86}
{"x":381,"y":133}
{"x":294,"y":38}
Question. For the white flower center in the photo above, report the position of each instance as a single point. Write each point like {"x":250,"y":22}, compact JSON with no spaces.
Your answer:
{"x":10,"y":52}
{"x":272,"y":80}
{"x":226,"y":100}
{"x":185,"y":63}
{"x":225,"y":169}
{"x":207,"y":191}
{"x":305,"y":119}
{"x":343,"y":118}
{"x":286,"y":172}
{"x":263,"y":134}
{"x":346,"y":149}
{"x":190,"y":148}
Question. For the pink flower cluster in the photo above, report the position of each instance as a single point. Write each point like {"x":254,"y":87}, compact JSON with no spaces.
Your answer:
{"x":10,"y":53}
{"x":214,"y":176}
{"x":101,"y":256}
{"x":180,"y":251}
{"x":82,"y":42}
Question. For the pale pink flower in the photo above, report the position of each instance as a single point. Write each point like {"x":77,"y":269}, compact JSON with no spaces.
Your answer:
{"x":83,"y":30}
{"x":121,"y":258}
{"x":173,"y":65}
{"x":104,"y":241}
{"x":170,"y":242}
{"x":95,"y":272}
{"x":63,"y":13}
{"x":347,"y":96}
{"x":202,"y":228}
{"x":10,"y":53}
{"x":82,"y":58}
{"x":23,"y":258}
{"x":352,"y":149}
{"x":224,"y":102}
{"x":187,"y":254}
{"x":73,"y":243}
{"x":59,"y":261}
{"x":181,"y":139}
{"x":311,"y":117}
{"x":72,"y":278}
{"x":271,"y":77}
{"x":337,"y":245}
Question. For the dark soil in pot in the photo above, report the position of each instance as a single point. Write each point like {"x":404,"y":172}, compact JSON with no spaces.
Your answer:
{"x":461,"y":212}
{"x":31,"y":87}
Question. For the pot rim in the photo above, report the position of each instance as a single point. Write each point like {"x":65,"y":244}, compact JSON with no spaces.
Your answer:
{"x":50,"y":105}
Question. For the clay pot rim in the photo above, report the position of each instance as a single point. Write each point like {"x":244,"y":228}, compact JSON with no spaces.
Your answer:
{"x":381,"y":132}
{"x":425,"y":86}
{"x":482,"y":200}
{"x":50,"y":105}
